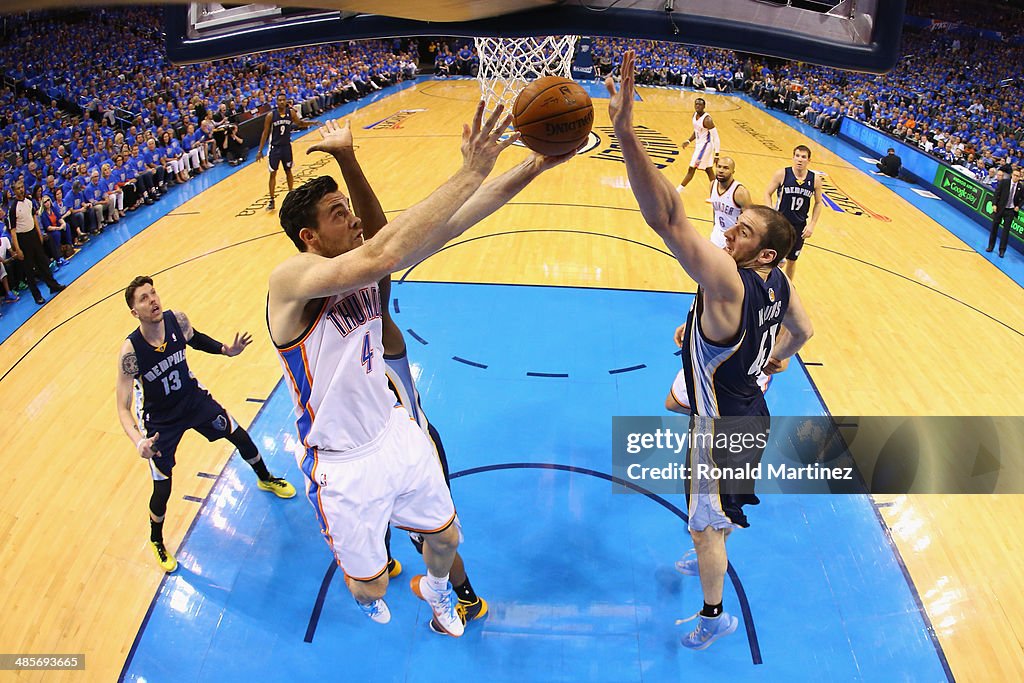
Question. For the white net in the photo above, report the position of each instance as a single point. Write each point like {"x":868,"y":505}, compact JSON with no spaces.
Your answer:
{"x":507,"y":65}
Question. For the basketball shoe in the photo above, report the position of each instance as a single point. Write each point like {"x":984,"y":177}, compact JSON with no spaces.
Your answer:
{"x":709,"y":629}
{"x":394,"y":568}
{"x":443,"y":604}
{"x":164,"y":558}
{"x":278,"y":486}
{"x":687,"y":564}
{"x":377,"y":610}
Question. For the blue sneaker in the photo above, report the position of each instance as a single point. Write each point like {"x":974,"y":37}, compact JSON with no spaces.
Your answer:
{"x":377,"y":611}
{"x":687,"y":564}
{"x":709,"y":629}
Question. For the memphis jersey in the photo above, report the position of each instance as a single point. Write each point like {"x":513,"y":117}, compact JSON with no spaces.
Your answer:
{"x":721,"y":379}
{"x":727,"y":211}
{"x":336,"y":374}
{"x":704,"y":139}
{"x":281,"y":128}
{"x":795,"y":198}
{"x":164,"y":386}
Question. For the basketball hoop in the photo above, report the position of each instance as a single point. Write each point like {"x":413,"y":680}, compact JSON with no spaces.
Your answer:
{"x":507,"y":65}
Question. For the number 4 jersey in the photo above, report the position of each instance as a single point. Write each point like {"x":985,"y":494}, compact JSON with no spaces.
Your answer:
{"x":721,"y":379}
{"x":335,"y":371}
{"x":166,"y":391}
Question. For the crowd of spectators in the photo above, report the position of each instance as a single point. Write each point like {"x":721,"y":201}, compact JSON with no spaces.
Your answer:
{"x":954,"y":96}
{"x":93,"y":128}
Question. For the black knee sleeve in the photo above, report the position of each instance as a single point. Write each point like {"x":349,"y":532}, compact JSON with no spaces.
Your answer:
{"x":161,"y":494}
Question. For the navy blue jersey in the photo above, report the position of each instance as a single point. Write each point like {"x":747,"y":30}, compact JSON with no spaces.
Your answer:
{"x":795,"y":198}
{"x":167,"y":387}
{"x":281,"y":128}
{"x":721,"y":379}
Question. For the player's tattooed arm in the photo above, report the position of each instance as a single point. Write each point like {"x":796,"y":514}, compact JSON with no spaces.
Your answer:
{"x":184,"y":324}
{"x":129,"y":364}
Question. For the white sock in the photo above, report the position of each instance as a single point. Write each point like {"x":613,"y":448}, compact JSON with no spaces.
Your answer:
{"x":439,"y":585}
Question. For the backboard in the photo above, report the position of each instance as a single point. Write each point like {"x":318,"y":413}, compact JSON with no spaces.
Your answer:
{"x":861,"y":35}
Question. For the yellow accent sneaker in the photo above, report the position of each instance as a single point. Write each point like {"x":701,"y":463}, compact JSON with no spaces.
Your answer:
{"x":164,"y":558}
{"x":471,"y":611}
{"x":394,"y":568}
{"x":278,"y":486}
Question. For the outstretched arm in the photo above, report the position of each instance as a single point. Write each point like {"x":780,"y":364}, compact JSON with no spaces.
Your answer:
{"x":415,"y":234}
{"x":300,"y":123}
{"x":201,"y":342}
{"x":662,"y":206}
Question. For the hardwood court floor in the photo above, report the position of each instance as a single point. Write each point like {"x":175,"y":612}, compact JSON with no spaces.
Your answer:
{"x":904,"y":326}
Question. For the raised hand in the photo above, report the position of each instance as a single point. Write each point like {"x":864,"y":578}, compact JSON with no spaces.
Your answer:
{"x":620,"y":106}
{"x":241,"y":341}
{"x":147,"y":447}
{"x":543,"y":163}
{"x":334,"y":139}
{"x":480,"y":143}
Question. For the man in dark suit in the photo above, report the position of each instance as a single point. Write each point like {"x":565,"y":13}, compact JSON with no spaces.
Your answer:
{"x":1008,"y":199}
{"x":890,"y":164}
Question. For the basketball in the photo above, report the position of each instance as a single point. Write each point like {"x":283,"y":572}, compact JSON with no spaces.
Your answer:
{"x":553,"y":115}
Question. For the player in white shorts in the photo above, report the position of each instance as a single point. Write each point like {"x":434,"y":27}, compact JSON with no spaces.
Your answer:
{"x":706,"y":143}
{"x":366,"y":463}
{"x":728,"y":199}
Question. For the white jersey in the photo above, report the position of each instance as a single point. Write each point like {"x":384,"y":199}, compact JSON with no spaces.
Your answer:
{"x":727,"y":211}
{"x":336,"y":374}
{"x":706,"y":143}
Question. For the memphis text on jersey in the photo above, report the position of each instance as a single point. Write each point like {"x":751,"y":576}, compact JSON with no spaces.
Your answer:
{"x":164,"y":365}
{"x":354,"y":310}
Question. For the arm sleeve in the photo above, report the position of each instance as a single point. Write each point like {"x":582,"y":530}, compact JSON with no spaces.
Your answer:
{"x":201,"y":342}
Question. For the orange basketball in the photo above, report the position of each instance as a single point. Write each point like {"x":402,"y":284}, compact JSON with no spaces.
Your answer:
{"x":553,"y":115}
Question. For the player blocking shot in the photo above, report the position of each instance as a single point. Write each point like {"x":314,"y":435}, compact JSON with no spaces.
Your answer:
{"x":745,"y":318}
{"x":366,"y":463}
{"x":159,"y":399}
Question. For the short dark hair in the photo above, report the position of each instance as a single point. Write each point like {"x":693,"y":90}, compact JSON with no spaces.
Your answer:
{"x":891,"y":150}
{"x":802,"y":148}
{"x":299,"y":208}
{"x":779,"y":233}
{"x":129,"y":291}
{"x":699,"y":99}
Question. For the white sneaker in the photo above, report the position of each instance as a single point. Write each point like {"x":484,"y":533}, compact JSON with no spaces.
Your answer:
{"x":377,"y":610}
{"x":443,"y":605}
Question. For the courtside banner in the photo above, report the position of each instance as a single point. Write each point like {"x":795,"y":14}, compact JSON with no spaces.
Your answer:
{"x":838,"y":455}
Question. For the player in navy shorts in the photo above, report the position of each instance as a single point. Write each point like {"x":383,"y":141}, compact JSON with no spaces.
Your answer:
{"x":278,"y":126}
{"x":797,"y":187}
{"x":746,"y":318}
{"x":159,"y":399}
